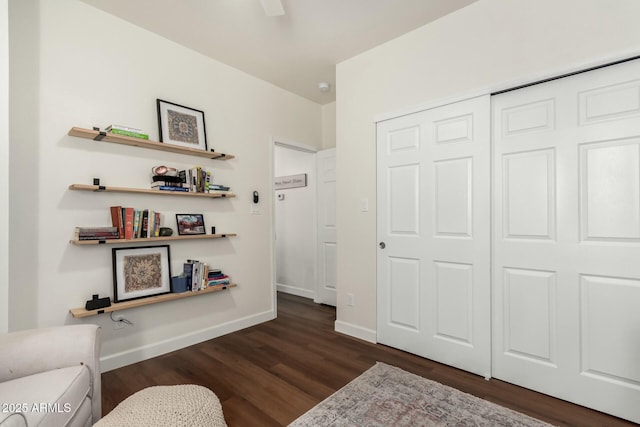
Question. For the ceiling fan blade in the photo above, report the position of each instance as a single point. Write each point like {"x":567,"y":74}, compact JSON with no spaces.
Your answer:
{"x":272,"y":7}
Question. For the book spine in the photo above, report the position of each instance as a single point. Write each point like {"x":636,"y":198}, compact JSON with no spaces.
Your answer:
{"x":170,"y":188}
{"x":96,"y":229}
{"x":116,"y":220}
{"x":128,"y":223}
{"x":156,"y":228}
{"x":127,"y":128}
{"x":132,"y":134}
{"x":136,"y":223}
{"x":151,"y":223}
{"x":98,"y":234}
{"x":144,"y":223}
{"x":98,"y":238}
{"x":168,"y":184}
{"x":187,"y":269}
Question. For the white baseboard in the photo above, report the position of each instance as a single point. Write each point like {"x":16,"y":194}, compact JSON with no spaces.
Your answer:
{"x":306,"y":293}
{"x":139,"y":354}
{"x":356,"y":331}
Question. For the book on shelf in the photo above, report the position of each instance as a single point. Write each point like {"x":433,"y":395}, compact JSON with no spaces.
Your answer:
{"x":84,"y":238}
{"x":187,"y":271}
{"x":144,"y":223}
{"x":128,"y":223}
{"x":117,"y":220}
{"x":136,"y":223}
{"x":95,"y":233}
{"x":121,"y":127}
{"x":96,"y":229}
{"x":171,"y":188}
{"x":127,"y":131}
{"x":131,"y":134}
{"x":218,"y":187}
{"x":169,"y":184}
{"x":166,"y":178}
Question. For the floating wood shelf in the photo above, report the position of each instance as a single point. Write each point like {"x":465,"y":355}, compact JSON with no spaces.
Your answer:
{"x":82,"y":312}
{"x":151,"y":239}
{"x":101,"y":188}
{"x":145,"y":143}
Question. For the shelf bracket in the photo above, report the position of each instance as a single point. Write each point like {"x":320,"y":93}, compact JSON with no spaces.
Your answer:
{"x":101,"y":134}
{"x":101,"y":188}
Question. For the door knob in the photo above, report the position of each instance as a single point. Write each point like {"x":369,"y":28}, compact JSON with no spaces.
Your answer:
{"x":382,"y":245}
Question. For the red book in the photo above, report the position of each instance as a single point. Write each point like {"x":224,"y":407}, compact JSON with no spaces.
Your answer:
{"x":116,"y":220}
{"x":128,"y":223}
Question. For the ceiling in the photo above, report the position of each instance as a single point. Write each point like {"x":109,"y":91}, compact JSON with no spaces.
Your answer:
{"x":294,"y":51}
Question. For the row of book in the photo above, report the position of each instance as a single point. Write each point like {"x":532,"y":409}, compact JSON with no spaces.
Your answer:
{"x":195,"y":179}
{"x":135,"y":223}
{"x":200,"y":276}
{"x":127,"y":131}
{"x":126,"y":223}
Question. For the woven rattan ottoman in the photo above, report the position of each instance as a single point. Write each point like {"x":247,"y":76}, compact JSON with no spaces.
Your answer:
{"x":176,"y":405}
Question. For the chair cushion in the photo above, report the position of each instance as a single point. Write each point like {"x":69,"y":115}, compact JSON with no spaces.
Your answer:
{"x":51,"y":398}
{"x":187,"y":405}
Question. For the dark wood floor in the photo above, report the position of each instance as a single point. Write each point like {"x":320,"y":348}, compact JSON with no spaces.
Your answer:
{"x":270,"y":374}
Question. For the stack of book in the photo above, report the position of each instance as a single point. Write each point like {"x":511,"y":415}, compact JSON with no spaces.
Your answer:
{"x":169,"y":183}
{"x":127,"y":131}
{"x":216,"y":278}
{"x":96,"y":233}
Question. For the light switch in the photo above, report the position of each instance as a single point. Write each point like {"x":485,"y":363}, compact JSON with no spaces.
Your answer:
{"x":364,"y":205}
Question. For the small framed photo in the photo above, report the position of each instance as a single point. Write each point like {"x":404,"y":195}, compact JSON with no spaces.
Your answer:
{"x":190,"y":224}
{"x":140,"y":272}
{"x":180,"y":125}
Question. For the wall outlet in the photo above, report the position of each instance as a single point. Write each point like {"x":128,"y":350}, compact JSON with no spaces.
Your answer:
{"x":351,"y":300}
{"x":118,"y":321}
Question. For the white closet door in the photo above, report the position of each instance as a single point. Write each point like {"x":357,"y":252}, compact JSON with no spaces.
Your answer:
{"x":566,"y":296}
{"x":433,"y":228}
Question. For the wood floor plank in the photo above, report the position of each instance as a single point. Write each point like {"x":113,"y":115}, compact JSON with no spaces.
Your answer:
{"x":270,"y":374}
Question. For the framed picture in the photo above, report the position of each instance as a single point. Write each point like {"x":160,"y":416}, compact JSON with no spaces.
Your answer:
{"x":180,"y":125}
{"x":141,"y":272}
{"x":190,"y":224}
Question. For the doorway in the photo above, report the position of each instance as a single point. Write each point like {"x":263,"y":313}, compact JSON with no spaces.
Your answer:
{"x":295,"y":219}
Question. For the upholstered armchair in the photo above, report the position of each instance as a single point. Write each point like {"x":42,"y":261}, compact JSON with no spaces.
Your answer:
{"x":50,"y":376}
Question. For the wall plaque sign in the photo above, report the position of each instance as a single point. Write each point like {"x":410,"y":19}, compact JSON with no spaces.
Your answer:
{"x":290,"y":181}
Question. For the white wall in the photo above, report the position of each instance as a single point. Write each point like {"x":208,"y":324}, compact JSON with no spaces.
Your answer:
{"x":92,"y":69}
{"x":483,"y":46}
{"x":296,"y":224}
{"x":329,"y":126}
{"x":4,"y":166}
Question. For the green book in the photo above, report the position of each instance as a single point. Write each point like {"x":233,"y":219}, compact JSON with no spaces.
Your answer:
{"x":128,"y":133}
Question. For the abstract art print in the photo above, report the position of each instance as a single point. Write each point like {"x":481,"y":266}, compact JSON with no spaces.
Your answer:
{"x":141,"y":272}
{"x":180,"y":125}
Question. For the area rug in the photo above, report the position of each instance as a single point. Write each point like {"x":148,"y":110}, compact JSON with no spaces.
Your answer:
{"x":385,"y":396}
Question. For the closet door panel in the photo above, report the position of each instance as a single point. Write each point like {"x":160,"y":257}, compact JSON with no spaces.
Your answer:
{"x":566,"y":238}
{"x":433,"y":215}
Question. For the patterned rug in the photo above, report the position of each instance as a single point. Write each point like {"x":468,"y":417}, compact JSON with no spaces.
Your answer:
{"x":386,"y":396}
